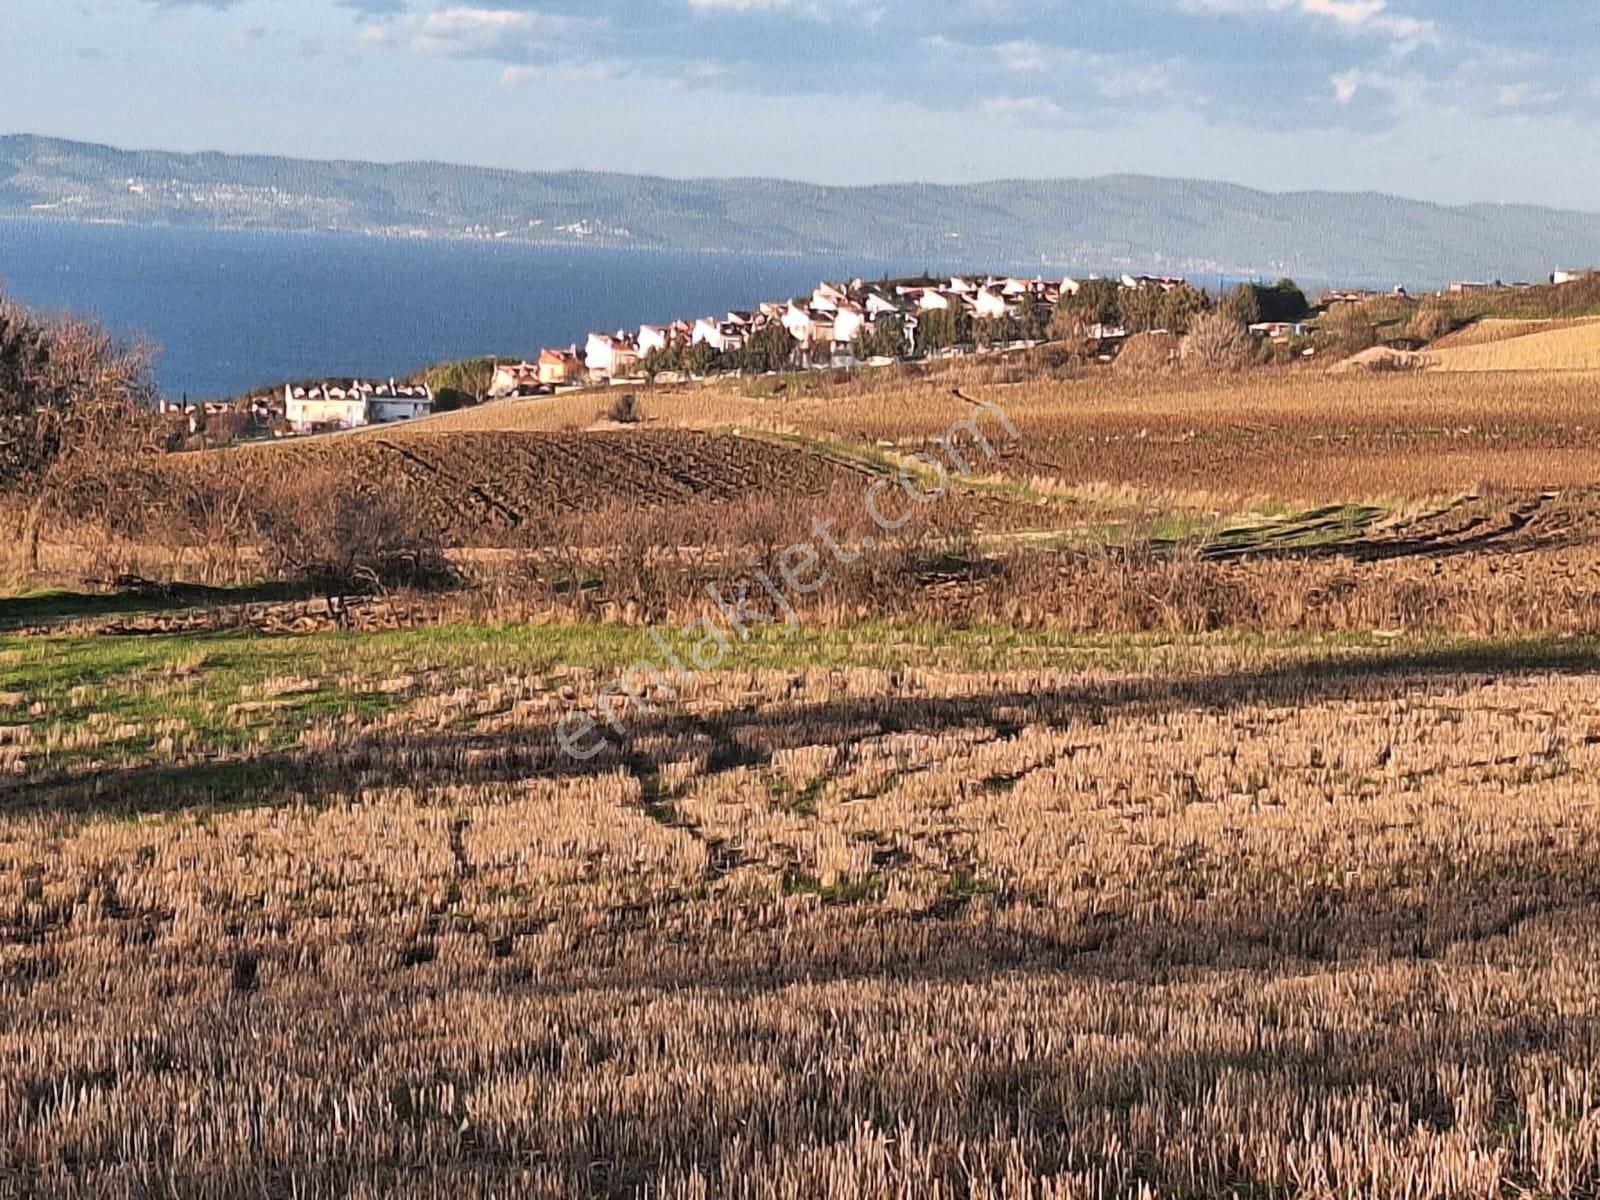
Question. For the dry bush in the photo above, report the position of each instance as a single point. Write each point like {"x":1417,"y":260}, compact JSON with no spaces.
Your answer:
{"x":1150,"y":352}
{"x":1434,"y":319}
{"x":625,"y":410}
{"x":341,"y":537}
{"x":1219,"y":342}
{"x":1351,"y":327}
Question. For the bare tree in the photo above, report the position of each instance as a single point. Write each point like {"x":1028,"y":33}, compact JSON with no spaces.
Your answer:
{"x":77,"y":410}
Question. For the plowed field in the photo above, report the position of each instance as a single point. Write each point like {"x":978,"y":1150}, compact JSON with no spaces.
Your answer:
{"x":480,"y":489}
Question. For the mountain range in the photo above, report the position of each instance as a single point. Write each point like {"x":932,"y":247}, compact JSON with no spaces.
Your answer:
{"x":1110,"y":223}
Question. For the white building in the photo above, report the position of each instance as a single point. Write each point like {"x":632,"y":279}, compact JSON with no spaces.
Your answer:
{"x":318,"y":408}
{"x":848,"y":321}
{"x":610,"y":356}
{"x":991,"y":304}
{"x":653,"y":337}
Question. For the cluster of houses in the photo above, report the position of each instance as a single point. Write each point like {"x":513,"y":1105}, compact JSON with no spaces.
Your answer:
{"x":823,"y":326}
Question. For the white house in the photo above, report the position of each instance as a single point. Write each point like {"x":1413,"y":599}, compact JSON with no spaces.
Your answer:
{"x":309,"y":410}
{"x":398,"y":404}
{"x":1561,"y":277}
{"x":610,"y":356}
{"x":721,"y":336}
{"x":513,"y":379}
{"x":880,"y":306}
{"x":653,"y":337}
{"x":850,"y":320}
{"x":990,"y":304}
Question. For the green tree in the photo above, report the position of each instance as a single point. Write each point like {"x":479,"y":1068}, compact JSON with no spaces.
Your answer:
{"x":1139,"y":309}
{"x":1099,"y":301}
{"x":942,"y":328}
{"x":1283,"y":301}
{"x":1033,"y":318}
{"x":770,"y":348}
{"x":1181,"y":307}
{"x":470,"y":377}
{"x":700,"y":358}
{"x":884,"y":338}
{"x":995,"y":331}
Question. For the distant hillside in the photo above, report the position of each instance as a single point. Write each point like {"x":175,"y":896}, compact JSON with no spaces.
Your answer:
{"x":1123,"y":221}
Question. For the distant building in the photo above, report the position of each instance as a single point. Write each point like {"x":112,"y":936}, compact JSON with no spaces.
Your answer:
{"x":610,"y":356}
{"x":1562,"y":277}
{"x":990,"y":303}
{"x":559,"y":367}
{"x":513,"y":379}
{"x":331,"y":406}
{"x":653,"y":338}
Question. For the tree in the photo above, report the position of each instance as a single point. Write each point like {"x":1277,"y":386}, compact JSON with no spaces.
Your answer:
{"x":1033,"y":318}
{"x":770,"y":348}
{"x":884,"y":338}
{"x":699,"y":358}
{"x":1072,"y":329}
{"x":1139,"y":309}
{"x":945,"y":327}
{"x":995,"y":331}
{"x":1098,"y":300}
{"x":76,"y":412}
{"x":469,"y":377}
{"x":1180,"y":307}
{"x":1283,"y":301}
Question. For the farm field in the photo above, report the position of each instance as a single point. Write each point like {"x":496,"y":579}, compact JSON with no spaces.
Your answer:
{"x":1037,"y":917}
{"x":1201,"y":800}
{"x":1561,"y":346}
{"x":1300,"y":437}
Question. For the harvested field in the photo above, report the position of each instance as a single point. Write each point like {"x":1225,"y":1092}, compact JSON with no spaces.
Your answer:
{"x":1561,"y":347}
{"x":1201,"y":801}
{"x":1495,"y":329}
{"x":301,"y":917}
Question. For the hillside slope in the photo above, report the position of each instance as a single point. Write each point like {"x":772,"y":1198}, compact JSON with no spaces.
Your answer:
{"x":1131,"y":221}
{"x":1574,"y":347}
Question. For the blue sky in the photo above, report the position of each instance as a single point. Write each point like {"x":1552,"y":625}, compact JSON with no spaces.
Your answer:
{"x":1450,"y":100}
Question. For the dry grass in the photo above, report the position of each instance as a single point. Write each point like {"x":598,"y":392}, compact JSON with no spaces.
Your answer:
{"x":1524,"y":346}
{"x":1237,"y":922}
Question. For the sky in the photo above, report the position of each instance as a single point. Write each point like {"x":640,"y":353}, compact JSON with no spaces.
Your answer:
{"x":1450,"y":100}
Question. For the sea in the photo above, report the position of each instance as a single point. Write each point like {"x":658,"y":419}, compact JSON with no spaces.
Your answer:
{"x":228,"y":313}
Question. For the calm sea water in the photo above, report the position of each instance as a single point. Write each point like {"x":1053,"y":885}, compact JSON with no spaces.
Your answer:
{"x":234,"y":311}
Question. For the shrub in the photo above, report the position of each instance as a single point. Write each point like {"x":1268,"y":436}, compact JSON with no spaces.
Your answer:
{"x":1351,"y":327}
{"x":1432,"y":321}
{"x":1150,"y":352}
{"x":327,"y":531}
{"x":625,"y":410}
{"x":1219,"y":341}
